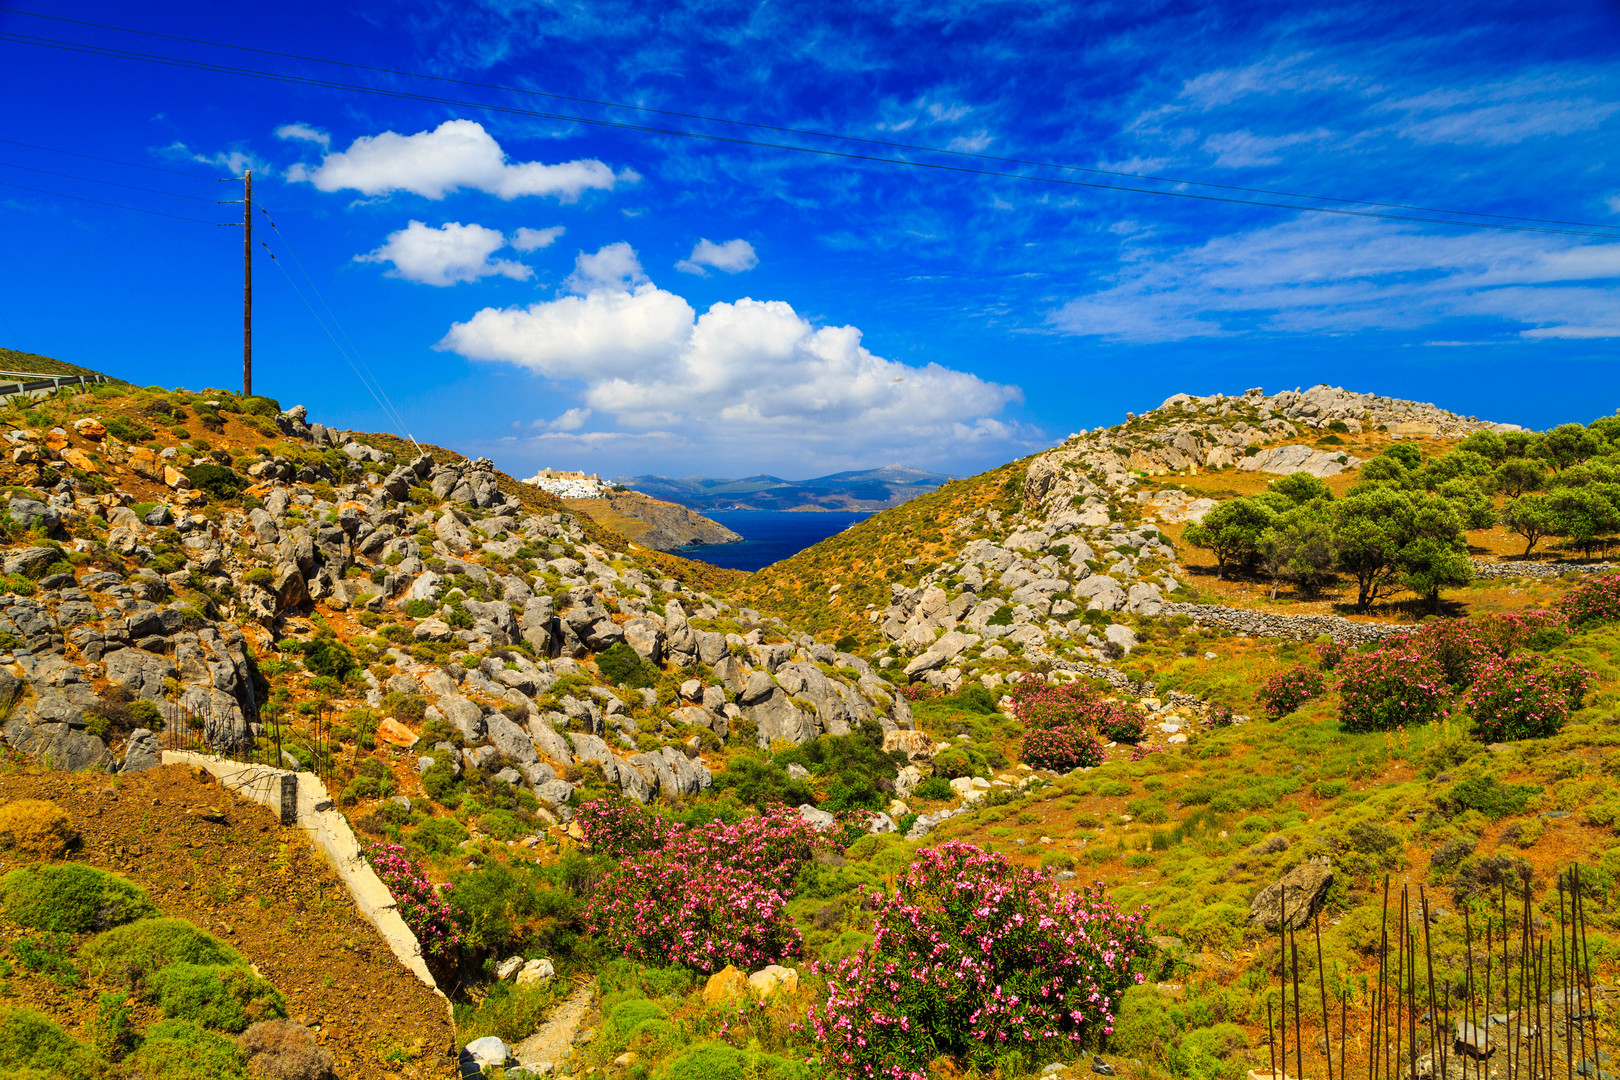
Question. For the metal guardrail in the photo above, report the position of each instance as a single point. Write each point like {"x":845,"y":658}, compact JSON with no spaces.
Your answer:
{"x":26,"y":382}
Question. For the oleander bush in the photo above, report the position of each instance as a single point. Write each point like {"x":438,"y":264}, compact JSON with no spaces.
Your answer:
{"x":1592,"y":600}
{"x":1391,"y":687}
{"x":973,"y":957}
{"x":420,"y":905}
{"x":1526,"y":696}
{"x":1287,"y":690}
{"x":705,"y":895}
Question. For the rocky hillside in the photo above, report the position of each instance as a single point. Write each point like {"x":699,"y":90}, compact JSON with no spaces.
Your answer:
{"x":654,"y":523}
{"x":183,"y":586}
{"x":1040,"y":562}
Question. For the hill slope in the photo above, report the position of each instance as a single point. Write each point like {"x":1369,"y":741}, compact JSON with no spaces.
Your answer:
{"x":34,"y":364}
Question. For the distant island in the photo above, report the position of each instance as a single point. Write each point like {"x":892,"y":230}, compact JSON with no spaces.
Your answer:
{"x":866,"y":489}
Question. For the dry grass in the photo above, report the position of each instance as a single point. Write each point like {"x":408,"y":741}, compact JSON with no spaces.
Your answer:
{"x":283,"y":1050}
{"x":36,"y":829}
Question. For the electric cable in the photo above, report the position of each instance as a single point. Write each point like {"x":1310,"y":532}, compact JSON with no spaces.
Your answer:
{"x":378,"y":394}
{"x":810,"y":132}
{"x":69,"y":46}
{"x":110,"y":161}
{"x":109,"y":183}
{"x":103,"y":202}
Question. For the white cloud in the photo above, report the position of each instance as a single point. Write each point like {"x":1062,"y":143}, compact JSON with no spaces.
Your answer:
{"x":304,"y":133}
{"x":1241,"y":149}
{"x":235,"y":162}
{"x":1313,"y":276}
{"x":614,"y":267}
{"x":1498,"y":114}
{"x":527,"y":239}
{"x":753,"y":377}
{"x":444,"y":256}
{"x":457,"y":154}
{"x":572,"y":420}
{"x":733,"y":256}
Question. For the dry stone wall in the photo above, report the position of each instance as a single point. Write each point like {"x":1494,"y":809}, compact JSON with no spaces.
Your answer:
{"x":1293,"y":627}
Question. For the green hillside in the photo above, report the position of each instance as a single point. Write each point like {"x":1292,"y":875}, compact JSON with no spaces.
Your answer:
{"x":33,"y":363}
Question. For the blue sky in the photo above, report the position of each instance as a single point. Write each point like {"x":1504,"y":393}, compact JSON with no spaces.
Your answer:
{"x":550,"y":292}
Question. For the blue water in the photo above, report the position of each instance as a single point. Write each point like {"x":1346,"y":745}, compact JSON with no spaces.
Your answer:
{"x":768,"y":536}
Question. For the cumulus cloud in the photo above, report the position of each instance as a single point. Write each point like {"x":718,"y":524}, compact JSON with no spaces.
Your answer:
{"x":527,"y":239}
{"x":457,"y":154}
{"x":733,"y":256}
{"x":444,"y":256}
{"x":571,"y":420}
{"x":1313,"y":277}
{"x":235,"y":162}
{"x":614,"y":267}
{"x":753,"y":374}
{"x":304,"y":133}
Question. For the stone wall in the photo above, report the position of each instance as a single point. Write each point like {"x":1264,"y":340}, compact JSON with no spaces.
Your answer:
{"x":1490,"y":570}
{"x":1293,"y":627}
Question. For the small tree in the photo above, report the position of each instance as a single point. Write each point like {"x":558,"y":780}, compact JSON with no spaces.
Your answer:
{"x":1531,"y":517}
{"x":1299,"y":547}
{"x":1231,"y":532}
{"x":1515,"y":476}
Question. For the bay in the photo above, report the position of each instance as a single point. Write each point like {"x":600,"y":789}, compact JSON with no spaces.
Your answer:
{"x":769,"y":535}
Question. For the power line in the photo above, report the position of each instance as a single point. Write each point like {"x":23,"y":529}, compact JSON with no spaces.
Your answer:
{"x":103,"y":202}
{"x":111,"y":161}
{"x":809,"y":132}
{"x":196,"y":65}
{"x":109,"y":183}
{"x":388,"y":408}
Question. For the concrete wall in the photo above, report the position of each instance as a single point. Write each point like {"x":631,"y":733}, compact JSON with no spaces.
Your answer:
{"x":302,"y":798}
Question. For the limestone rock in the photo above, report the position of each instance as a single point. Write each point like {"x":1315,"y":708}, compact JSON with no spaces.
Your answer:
{"x":771,"y":979}
{"x":1304,"y":887}
{"x":725,"y":985}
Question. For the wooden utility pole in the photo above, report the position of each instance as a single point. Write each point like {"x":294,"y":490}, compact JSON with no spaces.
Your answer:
{"x":247,"y":283}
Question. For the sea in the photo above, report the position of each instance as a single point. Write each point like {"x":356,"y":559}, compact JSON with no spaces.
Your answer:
{"x":769,"y":535}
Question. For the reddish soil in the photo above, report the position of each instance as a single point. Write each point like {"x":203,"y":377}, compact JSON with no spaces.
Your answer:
{"x":225,"y":864}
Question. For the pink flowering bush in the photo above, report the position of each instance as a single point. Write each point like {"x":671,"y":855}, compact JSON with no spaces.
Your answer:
{"x":708,"y":895}
{"x":973,"y":957}
{"x":1062,"y":749}
{"x":1288,"y":690}
{"x":1139,"y":753}
{"x":1514,"y":630}
{"x":1328,"y":654}
{"x":1389,"y":687}
{"x":1596,"y":599}
{"x":919,"y":691}
{"x":420,"y":905}
{"x":619,"y":827}
{"x":1066,"y":725}
{"x":1526,"y":696}
{"x":1459,"y":646}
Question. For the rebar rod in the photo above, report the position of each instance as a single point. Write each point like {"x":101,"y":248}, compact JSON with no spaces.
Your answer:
{"x":1321,"y":982}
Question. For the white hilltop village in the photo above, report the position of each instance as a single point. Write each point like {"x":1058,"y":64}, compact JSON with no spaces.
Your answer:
{"x":571,"y":485}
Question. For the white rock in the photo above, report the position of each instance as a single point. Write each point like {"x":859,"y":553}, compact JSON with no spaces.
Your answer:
{"x":508,"y":968}
{"x":536,"y":971}
{"x":489,"y":1052}
{"x":775,"y":977}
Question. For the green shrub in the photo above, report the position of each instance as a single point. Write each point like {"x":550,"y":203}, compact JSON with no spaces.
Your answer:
{"x":323,"y":656}
{"x":72,"y":899}
{"x":1142,"y":1025}
{"x":133,"y":951}
{"x":420,"y":609}
{"x":261,"y":576}
{"x":720,"y":1061}
{"x":935,"y":787}
{"x":626,"y":1016}
{"x":216,"y":480}
{"x":1114,"y":789}
{"x":1003,"y":616}
{"x":129,"y":431}
{"x":114,"y":1033}
{"x":30,"y":1041}
{"x":1483,"y":793}
{"x":623,"y":666}
{"x":180,"y":1050}
{"x":222,"y":997}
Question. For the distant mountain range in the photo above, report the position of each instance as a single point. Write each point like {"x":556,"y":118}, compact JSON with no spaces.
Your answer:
{"x":866,"y":489}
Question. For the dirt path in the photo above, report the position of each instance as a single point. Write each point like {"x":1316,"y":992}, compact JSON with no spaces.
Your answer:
{"x":553,"y":1042}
